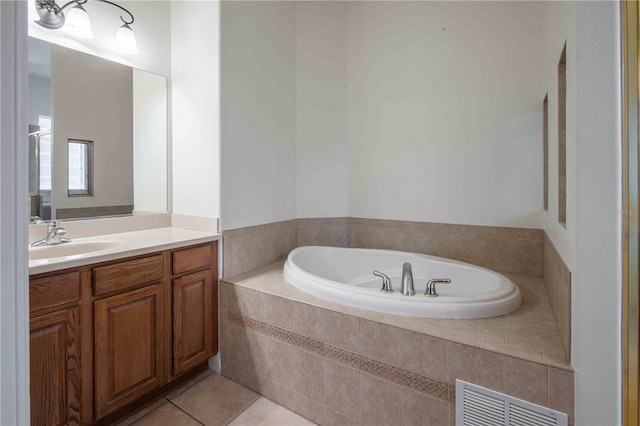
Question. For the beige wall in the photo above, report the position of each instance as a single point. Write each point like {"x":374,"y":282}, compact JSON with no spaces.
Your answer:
{"x":92,"y":100}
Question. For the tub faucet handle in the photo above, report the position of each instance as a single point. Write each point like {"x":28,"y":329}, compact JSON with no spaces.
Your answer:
{"x":430,"y":291}
{"x":386,"y":282}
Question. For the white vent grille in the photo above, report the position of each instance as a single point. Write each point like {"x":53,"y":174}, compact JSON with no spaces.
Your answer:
{"x":478,"y":406}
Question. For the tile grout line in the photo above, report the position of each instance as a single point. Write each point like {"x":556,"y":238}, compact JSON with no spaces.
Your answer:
{"x":179,"y":408}
{"x":246,"y":408}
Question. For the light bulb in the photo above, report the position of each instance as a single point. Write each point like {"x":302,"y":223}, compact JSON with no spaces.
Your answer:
{"x":77,"y":23}
{"x":126,"y":40}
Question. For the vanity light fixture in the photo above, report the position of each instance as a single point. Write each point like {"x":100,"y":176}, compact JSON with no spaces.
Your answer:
{"x":52,"y":16}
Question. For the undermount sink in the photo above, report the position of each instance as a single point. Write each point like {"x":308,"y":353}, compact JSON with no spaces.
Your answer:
{"x":70,"y":249}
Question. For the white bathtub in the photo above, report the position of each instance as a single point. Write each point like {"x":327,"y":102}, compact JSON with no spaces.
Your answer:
{"x":345,"y":275}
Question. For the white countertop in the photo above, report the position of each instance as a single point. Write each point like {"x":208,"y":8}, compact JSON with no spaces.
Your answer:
{"x":128,"y":244}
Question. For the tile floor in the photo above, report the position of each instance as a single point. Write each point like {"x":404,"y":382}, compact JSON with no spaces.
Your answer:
{"x":210,"y":399}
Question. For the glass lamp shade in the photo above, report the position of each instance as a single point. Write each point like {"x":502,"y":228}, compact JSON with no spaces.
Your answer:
{"x":77,"y":23}
{"x":126,"y":40}
{"x":33,"y":13}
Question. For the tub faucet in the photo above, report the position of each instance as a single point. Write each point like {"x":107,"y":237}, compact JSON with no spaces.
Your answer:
{"x":54,"y":236}
{"x":430,"y":291}
{"x":386,"y":282}
{"x":407,"y":280}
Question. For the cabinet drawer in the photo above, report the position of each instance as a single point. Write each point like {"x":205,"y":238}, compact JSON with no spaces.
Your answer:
{"x":54,"y":291}
{"x":123,"y":275}
{"x":191,"y":259}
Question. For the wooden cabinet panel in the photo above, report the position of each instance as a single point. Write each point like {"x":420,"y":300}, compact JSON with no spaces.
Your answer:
{"x":192,"y":320}
{"x":56,"y":290}
{"x":124,"y":275}
{"x":129,"y":347}
{"x":55,"y":368}
{"x":191,"y":259}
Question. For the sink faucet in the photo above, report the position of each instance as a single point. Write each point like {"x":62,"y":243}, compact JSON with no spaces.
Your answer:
{"x":407,"y":280}
{"x":54,"y":236}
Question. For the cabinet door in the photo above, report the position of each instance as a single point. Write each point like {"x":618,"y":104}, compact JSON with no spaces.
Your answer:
{"x":129,"y":347}
{"x":192,"y":320}
{"x":55,"y":368}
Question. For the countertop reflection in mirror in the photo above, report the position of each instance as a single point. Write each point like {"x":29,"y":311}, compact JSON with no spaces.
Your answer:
{"x":122,"y":110}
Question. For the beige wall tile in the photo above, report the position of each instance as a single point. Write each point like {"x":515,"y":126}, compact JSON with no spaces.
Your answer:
{"x":308,"y":408}
{"x":477,"y":366}
{"x":255,"y":353}
{"x":247,"y":302}
{"x":380,"y":342}
{"x":279,"y":394}
{"x":341,"y":330}
{"x":233,"y":352}
{"x":308,"y":374}
{"x":526,"y":257}
{"x":333,"y":418}
{"x":561,"y":391}
{"x":342,"y":385}
{"x":418,"y":409}
{"x":323,"y":232}
{"x":307,"y":320}
{"x":527,"y":380}
{"x":279,"y":311}
{"x":424,"y":355}
{"x":279,"y":357}
{"x":379,"y":401}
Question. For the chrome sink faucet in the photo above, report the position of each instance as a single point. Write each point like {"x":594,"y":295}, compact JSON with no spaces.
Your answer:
{"x":54,"y":236}
{"x":407,"y":280}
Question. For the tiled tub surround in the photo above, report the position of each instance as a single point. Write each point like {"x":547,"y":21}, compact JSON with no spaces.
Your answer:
{"x":335,"y":364}
{"x":557,"y":278}
{"x":514,"y":250}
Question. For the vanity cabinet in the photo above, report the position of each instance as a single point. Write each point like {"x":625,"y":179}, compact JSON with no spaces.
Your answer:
{"x":55,"y":368}
{"x":129,"y":347}
{"x":106,"y":337}
{"x":55,"y":349}
{"x":194,"y":299}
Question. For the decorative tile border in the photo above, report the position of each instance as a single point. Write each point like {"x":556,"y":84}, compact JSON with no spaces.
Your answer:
{"x":397,"y":375}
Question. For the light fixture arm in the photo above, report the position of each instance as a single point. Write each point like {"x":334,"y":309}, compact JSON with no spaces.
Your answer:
{"x":128,"y":22}
{"x":51,"y":14}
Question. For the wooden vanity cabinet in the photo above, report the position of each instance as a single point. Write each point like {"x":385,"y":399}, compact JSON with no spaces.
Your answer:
{"x":55,"y":349}
{"x":194,"y":302}
{"x":128,"y":328}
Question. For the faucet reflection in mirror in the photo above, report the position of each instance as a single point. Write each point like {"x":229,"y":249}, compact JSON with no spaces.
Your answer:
{"x":49,"y":14}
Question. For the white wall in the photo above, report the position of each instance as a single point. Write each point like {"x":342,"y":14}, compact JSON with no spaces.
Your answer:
{"x":101,"y":113}
{"x":14,"y":289}
{"x":195,"y":108}
{"x":595,"y":162}
{"x":560,"y":27}
{"x":151,"y":27}
{"x":444,"y":111}
{"x":150,"y":178}
{"x":442,"y":120}
{"x":39,"y":98}
{"x":258,"y":128}
{"x":321,"y":108}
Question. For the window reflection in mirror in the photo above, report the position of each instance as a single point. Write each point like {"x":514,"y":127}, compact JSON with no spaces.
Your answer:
{"x":79,"y":168}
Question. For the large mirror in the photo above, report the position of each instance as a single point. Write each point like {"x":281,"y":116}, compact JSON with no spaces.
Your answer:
{"x":97,"y":136}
